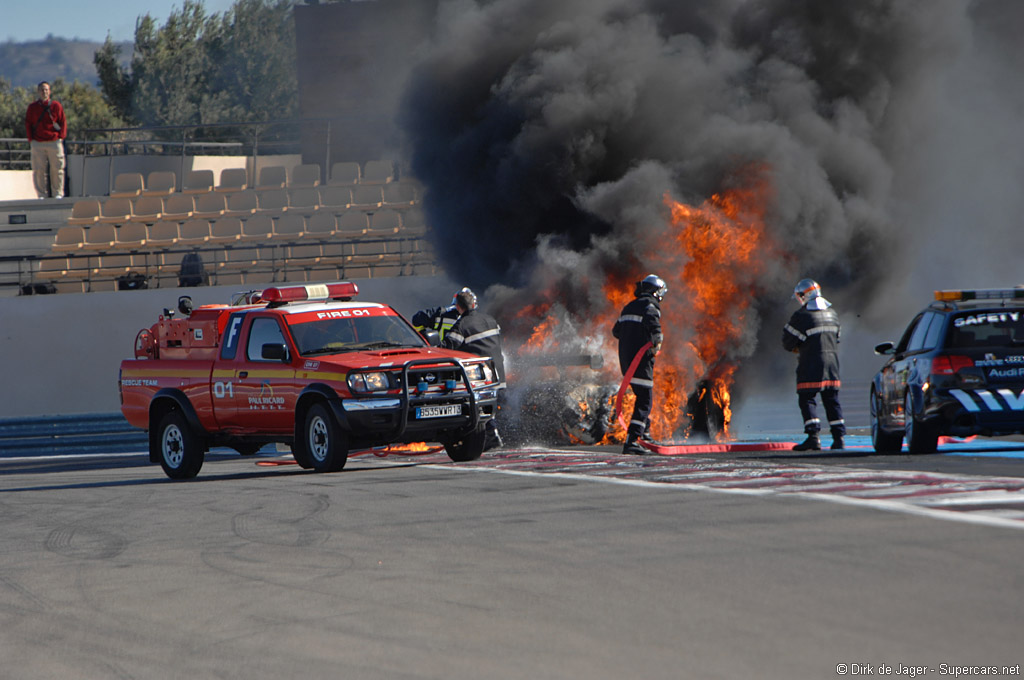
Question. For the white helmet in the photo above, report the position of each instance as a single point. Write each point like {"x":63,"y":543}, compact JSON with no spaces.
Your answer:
{"x":651,"y":285}
{"x":806,"y":290}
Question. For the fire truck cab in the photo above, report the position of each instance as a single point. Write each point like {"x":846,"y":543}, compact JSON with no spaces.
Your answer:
{"x":306,"y":366}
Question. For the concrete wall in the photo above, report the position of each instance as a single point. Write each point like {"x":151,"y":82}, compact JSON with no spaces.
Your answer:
{"x":59,"y":354}
{"x":16,"y":185}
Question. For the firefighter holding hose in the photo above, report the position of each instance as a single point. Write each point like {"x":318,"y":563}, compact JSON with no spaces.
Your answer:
{"x":638,"y":331}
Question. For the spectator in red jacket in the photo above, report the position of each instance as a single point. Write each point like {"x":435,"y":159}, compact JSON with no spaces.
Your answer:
{"x":46,"y":128}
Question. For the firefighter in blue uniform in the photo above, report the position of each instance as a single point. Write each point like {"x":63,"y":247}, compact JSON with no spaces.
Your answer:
{"x":639,"y":324}
{"x":478,"y":333}
{"x":813,"y":333}
{"x":440,"y":319}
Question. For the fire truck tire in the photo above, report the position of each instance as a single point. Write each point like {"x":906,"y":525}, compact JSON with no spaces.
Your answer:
{"x":326,"y":444}
{"x":883,"y":440}
{"x":181,"y":451}
{"x":922,"y":437}
{"x":468,"y":447}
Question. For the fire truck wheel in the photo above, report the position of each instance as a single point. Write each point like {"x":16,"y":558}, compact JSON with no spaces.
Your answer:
{"x":469,"y":447}
{"x":181,"y":452}
{"x":326,"y":444}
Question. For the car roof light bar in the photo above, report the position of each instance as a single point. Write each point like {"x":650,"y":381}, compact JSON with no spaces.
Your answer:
{"x":980,"y":294}
{"x":339,"y":290}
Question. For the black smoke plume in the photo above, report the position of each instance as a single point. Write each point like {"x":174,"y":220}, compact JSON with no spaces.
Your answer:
{"x":547,"y":133}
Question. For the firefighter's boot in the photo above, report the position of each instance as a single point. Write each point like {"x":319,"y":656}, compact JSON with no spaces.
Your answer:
{"x":812,"y":443}
{"x":632,"y":446}
{"x":838,"y":442}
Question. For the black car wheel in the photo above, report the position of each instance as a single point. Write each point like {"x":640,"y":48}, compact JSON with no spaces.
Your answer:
{"x":883,"y":440}
{"x":181,"y":451}
{"x":326,"y":444}
{"x":922,"y":436}
{"x":468,"y":447}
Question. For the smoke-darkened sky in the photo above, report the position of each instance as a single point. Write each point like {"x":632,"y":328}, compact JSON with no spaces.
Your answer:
{"x":889,"y":131}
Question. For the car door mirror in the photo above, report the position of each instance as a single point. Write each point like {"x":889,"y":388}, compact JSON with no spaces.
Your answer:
{"x":432,"y":337}
{"x":275,"y":351}
{"x":885,"y":348}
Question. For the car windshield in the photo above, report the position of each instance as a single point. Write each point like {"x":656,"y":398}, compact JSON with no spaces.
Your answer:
{"x":331,"y":336}
{"x":987,"y":328}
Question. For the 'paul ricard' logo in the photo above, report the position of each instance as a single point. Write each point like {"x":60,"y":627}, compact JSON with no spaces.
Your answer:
{"x":265,"y":400}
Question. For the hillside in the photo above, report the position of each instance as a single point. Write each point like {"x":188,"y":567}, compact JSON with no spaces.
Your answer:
{"x":23,"y":64}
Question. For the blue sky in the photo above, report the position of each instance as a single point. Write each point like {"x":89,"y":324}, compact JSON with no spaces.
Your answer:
{"x":88,"y":19}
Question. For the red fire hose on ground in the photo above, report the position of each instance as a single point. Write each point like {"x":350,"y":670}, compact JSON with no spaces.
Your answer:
{"x":686,"y":449}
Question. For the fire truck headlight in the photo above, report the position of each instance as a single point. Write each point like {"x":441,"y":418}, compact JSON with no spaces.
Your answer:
{"x":368,"y":382}
{"x":478,"y":372}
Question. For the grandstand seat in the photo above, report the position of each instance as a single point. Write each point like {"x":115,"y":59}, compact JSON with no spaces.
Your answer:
{"x":112,"y":265}
{"x":303,"y":254}
{"x":305,"y":175}
{"x":51,"y":269}
{"x":242,"y":204}
{"x":257,"y":228}
{"x":233,"y":179}
{"x":179,"y":207}
{"x":147,"y":209}
{"x":384,"y":222}
{"x":321,"y":225}
{"x":100,"y":237}
{"x":225,"y":230}
{"x":344,"y":173}
{"x":238,"y":257}
{"x":127,"y":185}
{"x":68,"y":239}
{"x":258,"y":277}
{"x":162,"y":235}
{"x":130,"y":236}
{"x":399,"y":195}
{"x":378,"y":172}
{"x":210,"y":206}
{"x":273,"y":202}
{"x":272,"y":177}
{"x":197,"y":182}
{"x":116,"y":211}
{"x":85,"y":211}
{"x":335,"y":198}
{"x":194,"y":233}
{"x":289,"y":227}
{"x":368,"y":252}
{"x":367,"y":197}
{"x":305,"y":200}
{"x":160,"y":183}
{"x":352,"y":223}
{"x":413,"y":223}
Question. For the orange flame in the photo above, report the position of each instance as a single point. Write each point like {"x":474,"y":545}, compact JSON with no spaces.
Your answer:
{"x":710,"y":256}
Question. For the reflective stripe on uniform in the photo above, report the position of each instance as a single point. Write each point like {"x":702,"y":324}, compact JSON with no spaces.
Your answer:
{"x":819,"y":385}
{"x":795,"y":332}
{"x":457,"y":337}
{"x":480,"y":336}
{"x":642,"y":382}
{"x":822,"y":329}
{"x":632,"y":317}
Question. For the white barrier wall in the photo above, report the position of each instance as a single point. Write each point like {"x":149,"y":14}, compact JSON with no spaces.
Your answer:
{"x":60,"y":354}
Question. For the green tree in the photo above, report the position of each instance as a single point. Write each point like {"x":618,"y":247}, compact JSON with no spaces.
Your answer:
{"x":200,"y":69}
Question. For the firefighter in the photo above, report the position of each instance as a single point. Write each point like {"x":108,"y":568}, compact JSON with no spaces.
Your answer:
{"x":440,"y":319}
{"x":813,"y":333}
{"x":478,"y":333}
{"x":639,"y":324}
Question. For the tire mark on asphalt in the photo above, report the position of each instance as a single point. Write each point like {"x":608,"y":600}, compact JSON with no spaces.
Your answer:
{"x":85,"y":543}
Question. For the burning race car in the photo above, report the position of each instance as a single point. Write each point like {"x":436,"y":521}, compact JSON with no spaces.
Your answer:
{"x":958,"y":370}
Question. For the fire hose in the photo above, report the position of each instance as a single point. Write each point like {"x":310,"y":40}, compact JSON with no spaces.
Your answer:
{"x":626,"y":378}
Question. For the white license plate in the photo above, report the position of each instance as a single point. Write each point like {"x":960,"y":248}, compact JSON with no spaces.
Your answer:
{"x":439,"y":411}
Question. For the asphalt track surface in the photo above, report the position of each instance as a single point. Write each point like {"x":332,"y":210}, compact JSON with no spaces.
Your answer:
{"x":530,"y":563}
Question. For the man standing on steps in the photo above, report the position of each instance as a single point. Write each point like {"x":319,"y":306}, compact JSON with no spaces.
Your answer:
{"x":46,"y":128}
{"x":813,"y":333}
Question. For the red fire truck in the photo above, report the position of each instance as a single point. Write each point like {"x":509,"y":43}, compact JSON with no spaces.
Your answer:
{"x":307,"y":366}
